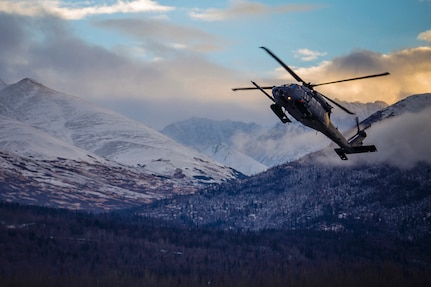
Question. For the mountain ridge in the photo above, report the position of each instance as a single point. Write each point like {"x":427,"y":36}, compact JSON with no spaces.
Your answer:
{"x":45,"y":135}
{"x":102,"y":132}
{"x":230,"y":157}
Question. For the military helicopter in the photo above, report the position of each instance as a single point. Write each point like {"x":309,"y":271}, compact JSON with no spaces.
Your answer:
{"x":312,"y":109}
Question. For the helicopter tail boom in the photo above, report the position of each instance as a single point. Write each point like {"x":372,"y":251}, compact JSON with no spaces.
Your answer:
{"x":356,"y":149}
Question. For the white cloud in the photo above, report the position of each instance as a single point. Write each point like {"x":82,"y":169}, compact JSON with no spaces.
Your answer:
{"x":426,"y":36}
{"x":307,"y":55}
{"x":410,"y":73}
{"x":404,"y":140}
{"x":75,"y":11}
{"x":163,"y":34}
{"x":401,"y":141}
{"x":246,"y":8}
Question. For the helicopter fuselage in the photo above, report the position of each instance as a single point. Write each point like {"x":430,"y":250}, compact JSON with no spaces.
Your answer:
{"x":309,"y":108}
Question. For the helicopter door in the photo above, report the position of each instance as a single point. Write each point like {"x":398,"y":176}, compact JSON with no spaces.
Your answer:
{"x":300,"y":105}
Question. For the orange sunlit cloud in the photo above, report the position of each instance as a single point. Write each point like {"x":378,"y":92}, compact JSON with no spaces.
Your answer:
{"x":410,"y":74}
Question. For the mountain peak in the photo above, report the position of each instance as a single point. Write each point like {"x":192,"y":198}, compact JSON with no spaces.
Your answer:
{"x":2,"y":84}
{"x":413,"y":104}
{"x":228,"y":156}
{"x":31,"y":82}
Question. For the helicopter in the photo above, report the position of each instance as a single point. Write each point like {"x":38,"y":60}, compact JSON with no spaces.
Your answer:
{"x":313,"y":110}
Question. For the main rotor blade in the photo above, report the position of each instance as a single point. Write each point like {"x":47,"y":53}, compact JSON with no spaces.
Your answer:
{"x":353,"y":79}
{"x":284,"y":65}
{"x":338,"y":105}
{"x":263,"y":91}
{"x":253,"y":88}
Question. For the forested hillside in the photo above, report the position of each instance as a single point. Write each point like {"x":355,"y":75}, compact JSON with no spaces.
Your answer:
{"x":299,"y":196}
{"x":51,"y":247}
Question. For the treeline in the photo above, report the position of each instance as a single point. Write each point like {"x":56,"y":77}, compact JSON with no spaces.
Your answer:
{"x":52,"y":247}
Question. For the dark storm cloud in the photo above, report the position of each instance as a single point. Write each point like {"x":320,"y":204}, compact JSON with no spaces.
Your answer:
{"x":359,"y":61}
{"x":11,"y":32}
{"x":12,"y":45}
{"x":46,"y":49}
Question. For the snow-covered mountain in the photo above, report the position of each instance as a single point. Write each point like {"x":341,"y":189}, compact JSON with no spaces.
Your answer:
{"x":202,"y":133}
{"x":412,"y":104}
{"x":215,"y":139}
{"x":49,"y":127}
{"x":104,"y":133}
{"x":268,"y":146}
{"x":24,"y":140}
{"x":230,"y":157}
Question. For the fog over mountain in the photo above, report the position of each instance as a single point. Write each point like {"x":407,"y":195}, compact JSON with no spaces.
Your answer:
{"x":401,"y":133}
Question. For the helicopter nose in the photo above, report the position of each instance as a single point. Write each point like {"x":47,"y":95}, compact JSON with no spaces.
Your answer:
{"x":280,"y":95}
{"x":277,"y":94}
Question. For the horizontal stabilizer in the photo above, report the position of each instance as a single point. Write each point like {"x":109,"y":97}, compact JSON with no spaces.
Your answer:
{"x":357,"y":149}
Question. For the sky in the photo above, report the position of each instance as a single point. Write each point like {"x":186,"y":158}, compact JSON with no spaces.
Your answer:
{"x":164,"y":61}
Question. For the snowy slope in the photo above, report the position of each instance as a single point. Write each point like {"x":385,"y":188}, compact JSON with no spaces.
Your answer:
{"x":235,"y":159}
{"x":201,"y":133}
{"x":413,"y":104}
{"x":22,"y":139}
{"x":78,"y":123}
{"x":79,"y":184}
{"x":61,"y":151}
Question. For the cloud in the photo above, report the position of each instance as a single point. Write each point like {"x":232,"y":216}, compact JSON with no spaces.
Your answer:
{"x":401,"y":141}
{"x":75,"y":11}
{"x":426,"y":36}
{"x":181,"y":84}
{"x":246,"y":8}
{"x":308,"y":55}
{"x":410,"y":73}
{"x":164,"y":34}
{"x":279,"y":145}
